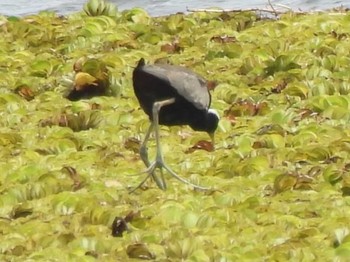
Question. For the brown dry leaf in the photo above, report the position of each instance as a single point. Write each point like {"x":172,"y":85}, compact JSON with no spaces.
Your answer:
{"x":95,"y":106}
{"x":74,"y":175}
{"x":171,"y":48}
{"x":131,"y":215}
{"x":258,"y":144}
{"x":279,"y":87}
{"x":223,"y":39}
{"x":78,"y":65}
{"x":211,"y":84}
{"x":304,"y":113}
{"x":62,"y":120}
{"x":132,"y":144}
{"x":340,"y":36}
{"x":245,"y":107}
{"x":201,"y":145}
{"x":25,"y":92}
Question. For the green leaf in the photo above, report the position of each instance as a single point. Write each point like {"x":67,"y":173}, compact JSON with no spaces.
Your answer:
{"x":190,"y":219}
{"x":284,"y":182}
{"x":139,"y":251}
{"x":343,"y":250}
{"x":332,"y":174}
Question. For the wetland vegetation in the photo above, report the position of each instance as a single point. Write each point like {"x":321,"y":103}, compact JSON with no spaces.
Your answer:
{"x":281,"y":164}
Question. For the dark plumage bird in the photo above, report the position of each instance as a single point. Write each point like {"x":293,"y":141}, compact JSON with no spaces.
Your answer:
{"x":86,"y":86}
{"x":91,"y":79}
{"x":172,"y":95}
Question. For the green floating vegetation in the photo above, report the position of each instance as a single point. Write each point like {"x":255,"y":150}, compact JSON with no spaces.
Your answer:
{"x":279,"y":172}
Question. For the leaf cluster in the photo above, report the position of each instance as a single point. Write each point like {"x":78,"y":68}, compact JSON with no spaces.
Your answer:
{"x":280,"y":168}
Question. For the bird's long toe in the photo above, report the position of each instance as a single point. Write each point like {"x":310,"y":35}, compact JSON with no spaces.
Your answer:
{"x":159,"y":180}
{"x":144,"y":156}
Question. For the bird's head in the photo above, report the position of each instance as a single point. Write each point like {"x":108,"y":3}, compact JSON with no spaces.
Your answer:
{"x":212,"y":123}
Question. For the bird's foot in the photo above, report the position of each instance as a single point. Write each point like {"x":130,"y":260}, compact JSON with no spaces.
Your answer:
{"x":159,"y":163}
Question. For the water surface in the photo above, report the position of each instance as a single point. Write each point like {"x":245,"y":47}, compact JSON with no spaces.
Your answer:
{"x":159,"y":7}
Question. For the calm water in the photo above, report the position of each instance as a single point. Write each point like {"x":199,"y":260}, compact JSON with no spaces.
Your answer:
{"x":159,"y":7}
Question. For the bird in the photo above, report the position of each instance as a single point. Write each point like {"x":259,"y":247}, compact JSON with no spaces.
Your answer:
{"x":91,"y":79}
{"x":171,"y":95}
{"x":86,"y":86}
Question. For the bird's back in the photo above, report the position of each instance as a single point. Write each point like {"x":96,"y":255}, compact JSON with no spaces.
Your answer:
{"x":173,"y":79}
{"x":154,"y":83}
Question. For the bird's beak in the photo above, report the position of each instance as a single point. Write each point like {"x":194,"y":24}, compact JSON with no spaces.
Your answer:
{"x":221,"y":127}
{"x":212,"y":137}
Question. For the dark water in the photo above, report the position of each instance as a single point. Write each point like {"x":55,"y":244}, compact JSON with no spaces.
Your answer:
{"x":160,"y":7}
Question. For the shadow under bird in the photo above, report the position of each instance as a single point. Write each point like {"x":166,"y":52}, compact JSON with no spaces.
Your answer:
{"x":171,"y":95}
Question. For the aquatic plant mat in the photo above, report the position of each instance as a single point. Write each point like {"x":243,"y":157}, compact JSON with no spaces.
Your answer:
{"x":280,"y":170}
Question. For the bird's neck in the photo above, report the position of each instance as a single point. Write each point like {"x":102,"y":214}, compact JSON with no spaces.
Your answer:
{"x":207,"y":122}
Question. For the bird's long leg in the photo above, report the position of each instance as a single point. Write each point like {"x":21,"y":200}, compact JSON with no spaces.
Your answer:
{"x":159,"y":158}
{"x":155,"y":111}
{"x":159,"y":162}
{"x":150,"y":167}
{"x":143,"y":148}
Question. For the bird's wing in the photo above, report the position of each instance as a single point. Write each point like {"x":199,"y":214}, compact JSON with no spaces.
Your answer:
{"x":192,"y":87}
{"x":188,"y":84}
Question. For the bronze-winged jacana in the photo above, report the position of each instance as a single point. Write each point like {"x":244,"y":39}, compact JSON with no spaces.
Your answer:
{"x":86,"y":86}
{"x":171,"y":95}
{"x":91,"y":79}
